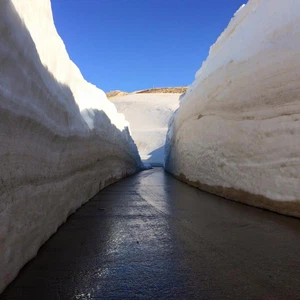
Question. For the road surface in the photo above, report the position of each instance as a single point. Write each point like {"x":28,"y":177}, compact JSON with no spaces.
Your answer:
{"x":151,"y":236}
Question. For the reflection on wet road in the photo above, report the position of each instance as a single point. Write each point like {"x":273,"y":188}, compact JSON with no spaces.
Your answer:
{"x":152,"y":237}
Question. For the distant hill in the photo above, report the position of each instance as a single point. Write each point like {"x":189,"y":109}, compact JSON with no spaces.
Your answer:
{"x":148,"y":115}
{"x":116,"y":93}
{"x":167,"y":90}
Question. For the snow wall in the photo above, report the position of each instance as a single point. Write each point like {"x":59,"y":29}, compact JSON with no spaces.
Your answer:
{"x":61,"y":140}
{"x":237,"y":130}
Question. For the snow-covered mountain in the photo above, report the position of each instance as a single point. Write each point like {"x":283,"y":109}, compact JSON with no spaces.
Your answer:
{"x":61,"y":139}
{"x":148,"y":114}
{"x":237,"y":131}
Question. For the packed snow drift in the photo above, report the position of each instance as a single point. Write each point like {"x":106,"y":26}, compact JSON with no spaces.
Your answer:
{"x":61,"y":139}
{"x":237,"y":131}
{"x":148,"y":115}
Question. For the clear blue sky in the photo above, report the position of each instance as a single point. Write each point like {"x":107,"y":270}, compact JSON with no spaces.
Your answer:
{"x":136,"y":44}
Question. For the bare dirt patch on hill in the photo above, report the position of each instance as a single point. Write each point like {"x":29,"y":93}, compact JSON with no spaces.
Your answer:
{"x":168,"y":90}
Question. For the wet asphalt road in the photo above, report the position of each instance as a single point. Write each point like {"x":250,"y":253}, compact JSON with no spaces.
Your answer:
{"x":152,"y":237}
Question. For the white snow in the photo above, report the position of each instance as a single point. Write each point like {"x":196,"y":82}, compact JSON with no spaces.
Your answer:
{"x":148,"y":115}
{"x":61,"y":139}
{"x":238,"y":126}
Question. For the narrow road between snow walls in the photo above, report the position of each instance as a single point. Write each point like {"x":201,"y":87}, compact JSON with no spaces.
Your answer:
{"x":173,"y":233}
{"x":150,"y":236}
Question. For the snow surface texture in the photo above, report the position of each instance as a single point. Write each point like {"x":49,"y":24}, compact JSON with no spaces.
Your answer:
{"x":148,"y":115}
{"x":61,"y":139}
{"x":237,"y":131}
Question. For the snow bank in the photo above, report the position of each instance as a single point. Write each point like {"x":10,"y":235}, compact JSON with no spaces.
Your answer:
{"x":61,"y":139}
{"x":148,"y":115}
{"x":237,"y":131}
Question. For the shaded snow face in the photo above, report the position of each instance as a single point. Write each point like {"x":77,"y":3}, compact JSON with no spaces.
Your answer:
{"x":43,"y":32}
{"x":148,"y":115}
{"x":238,"y":125}
{"x":61,"y":139}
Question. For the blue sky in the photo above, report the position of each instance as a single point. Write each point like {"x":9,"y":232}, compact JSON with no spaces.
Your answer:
{"x":137,"y":44}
